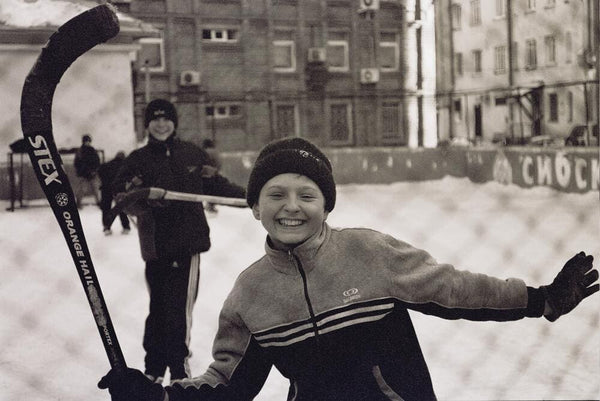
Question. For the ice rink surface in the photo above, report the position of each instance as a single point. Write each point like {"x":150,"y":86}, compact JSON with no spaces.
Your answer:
{"x":51,"y":349}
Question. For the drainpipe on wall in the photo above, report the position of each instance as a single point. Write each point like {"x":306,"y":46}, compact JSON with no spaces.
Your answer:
{"x":510,"y":100}
{"x":596,"y":28}
{"x":420,"y":140}
{"x":147,"y":81}
{"x":451,"y":91}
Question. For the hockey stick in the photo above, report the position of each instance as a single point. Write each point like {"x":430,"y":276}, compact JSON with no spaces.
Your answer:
{"x":154,"y":193}
{"x":70,"y":41}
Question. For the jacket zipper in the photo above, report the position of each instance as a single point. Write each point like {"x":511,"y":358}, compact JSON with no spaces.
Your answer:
{"x":294,"y":259}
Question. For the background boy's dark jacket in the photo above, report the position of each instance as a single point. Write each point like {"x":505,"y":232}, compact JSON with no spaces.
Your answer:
{"x":173,"y":228}
{"x":108,"y":172}
{"x":86,"y":161}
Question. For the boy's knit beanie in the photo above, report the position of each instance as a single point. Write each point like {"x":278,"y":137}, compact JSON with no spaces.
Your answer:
{"x":160,"y":108}
{"x":292,"y":155}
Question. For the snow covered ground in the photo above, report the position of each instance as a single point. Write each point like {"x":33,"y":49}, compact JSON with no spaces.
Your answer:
{"x":51,"y":349}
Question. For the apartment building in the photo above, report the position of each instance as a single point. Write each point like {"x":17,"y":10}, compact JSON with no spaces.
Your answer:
{"x":510,"y":70}
{"x":343,"y":73}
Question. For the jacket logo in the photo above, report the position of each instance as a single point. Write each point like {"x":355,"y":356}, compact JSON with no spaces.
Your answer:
{"x":351,"y":294}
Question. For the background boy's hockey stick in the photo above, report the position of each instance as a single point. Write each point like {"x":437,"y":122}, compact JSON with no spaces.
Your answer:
{"x":70,"y":41}
{"x":154,"y":193}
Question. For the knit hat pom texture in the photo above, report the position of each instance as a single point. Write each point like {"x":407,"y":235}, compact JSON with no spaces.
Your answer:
{"x":292,"y":155}
{"x":160,"y":108}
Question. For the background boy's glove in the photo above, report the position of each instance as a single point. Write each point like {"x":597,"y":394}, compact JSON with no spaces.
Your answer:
{"x":131,"y":385}
{"x":208,"y":171}
{"x":571,"y":285}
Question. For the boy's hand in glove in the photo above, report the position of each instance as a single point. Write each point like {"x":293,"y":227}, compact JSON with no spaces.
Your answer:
{"x":131,"y":385}
{"x":571,"y":286}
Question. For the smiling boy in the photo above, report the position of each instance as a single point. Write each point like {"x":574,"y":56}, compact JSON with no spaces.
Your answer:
{"x":329,"y":307}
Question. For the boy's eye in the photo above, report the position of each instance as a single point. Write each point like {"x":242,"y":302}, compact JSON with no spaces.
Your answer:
{"x":275,"y":195}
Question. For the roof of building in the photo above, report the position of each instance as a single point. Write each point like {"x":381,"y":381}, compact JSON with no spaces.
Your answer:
{"x":50,"y":14}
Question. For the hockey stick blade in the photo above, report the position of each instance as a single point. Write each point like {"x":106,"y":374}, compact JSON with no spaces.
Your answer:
{"x":154,"y":193}
{"x":70,"y":41}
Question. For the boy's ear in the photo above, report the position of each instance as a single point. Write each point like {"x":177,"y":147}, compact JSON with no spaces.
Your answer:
{"x":255,"y":211}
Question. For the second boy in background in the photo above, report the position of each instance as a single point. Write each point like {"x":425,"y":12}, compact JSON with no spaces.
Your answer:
{"x":172,"y":234}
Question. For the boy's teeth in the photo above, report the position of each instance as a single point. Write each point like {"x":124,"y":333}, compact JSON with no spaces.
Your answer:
{"x":289,"y":222}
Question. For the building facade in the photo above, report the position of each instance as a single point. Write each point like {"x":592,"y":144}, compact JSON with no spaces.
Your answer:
{"x":343,"y":73}
{"x":512,"y":70}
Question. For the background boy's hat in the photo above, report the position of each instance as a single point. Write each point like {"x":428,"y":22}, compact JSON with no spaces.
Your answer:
{"x":160,"y":108}
{"x":292,"y":155}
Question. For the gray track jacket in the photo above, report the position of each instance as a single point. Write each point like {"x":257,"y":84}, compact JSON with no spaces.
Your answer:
{"x":332,"y":317}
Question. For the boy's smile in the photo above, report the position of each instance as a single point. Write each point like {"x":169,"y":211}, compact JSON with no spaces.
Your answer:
{"x":291,"y":207}
{"x":161,"y":128}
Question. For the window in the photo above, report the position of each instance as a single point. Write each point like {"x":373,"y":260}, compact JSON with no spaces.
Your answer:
{"x":553,"y":106}
{"x":339,"y":124}
{"x":337,"y":52}
{"x":389,"y":51}
{"x":500,"y":8}
{"x":391,"y":121}
{"x":475,"y":12}
{"x":457,"y":110}
{"x":500,"y":101}
{"x":568,"y":47}
{"x":550,"y":45}
{"x":221,"y":35}
{"x":476,"y":61}
{"x":531,"y":54}
{"x":530,"y":5}
{"x":515,"y":56}
{"x":456,"y":16}
{"x":223,"y":111}
{"x":285,"y":120}
{"x":500,"y":61}
{"x":458,"y":64}
{"x":284,"y":52}
{"x":570,"y":105}
{"x":152,"y":54}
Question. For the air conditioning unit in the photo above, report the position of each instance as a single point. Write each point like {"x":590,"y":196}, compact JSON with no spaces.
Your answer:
{"x":189,"y":78}
{"x":316,"y":54}
{"x":368,"y":5}
{"x":369,"y":75}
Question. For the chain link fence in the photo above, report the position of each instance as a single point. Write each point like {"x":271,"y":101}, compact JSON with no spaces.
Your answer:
{"x":51,"y":349}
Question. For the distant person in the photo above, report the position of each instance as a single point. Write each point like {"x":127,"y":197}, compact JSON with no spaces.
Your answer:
{"x":86,"y":163}
{"x":329,"y":307}
{"x":210,"y":147}
{"x":107,"y":173}
{"x":172,"y":234}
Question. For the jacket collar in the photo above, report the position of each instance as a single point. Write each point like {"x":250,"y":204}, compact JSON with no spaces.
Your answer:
{"x":162,"y":146}
{"x":307,"y":252}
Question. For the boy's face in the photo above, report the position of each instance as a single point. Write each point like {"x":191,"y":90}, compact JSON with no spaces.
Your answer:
{"x":291,"y":207}
{"x":161,"y":128}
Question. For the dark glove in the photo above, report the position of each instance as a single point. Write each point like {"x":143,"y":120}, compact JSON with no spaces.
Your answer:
{"x":208,"y":171}
{"x":571,"y":285}
{"x":131,"y":385}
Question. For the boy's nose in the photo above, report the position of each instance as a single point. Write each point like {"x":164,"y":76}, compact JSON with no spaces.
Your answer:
{"x":292,"y":204}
